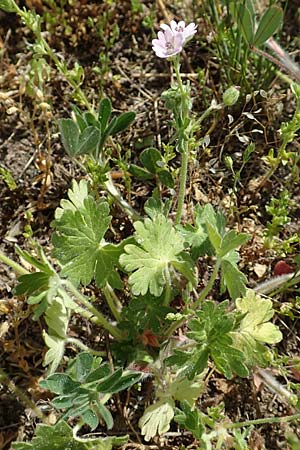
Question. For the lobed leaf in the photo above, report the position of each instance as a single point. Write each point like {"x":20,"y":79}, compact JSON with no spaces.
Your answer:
{"x":60,"y":437}
{"x":55,"y":352}
{"x":258,"y":311}
{"x":231,"y":277}
{"x":157,"y":418}
{"x":160,"y":246}
{"x":79,"y":242}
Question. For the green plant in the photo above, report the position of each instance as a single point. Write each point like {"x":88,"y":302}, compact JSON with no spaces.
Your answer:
{"x":280,"y":209}
{"x":147,"y":281}
{"x":235,"y":33}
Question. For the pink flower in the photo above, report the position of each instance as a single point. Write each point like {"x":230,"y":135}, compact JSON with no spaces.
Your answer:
{"x":173,"y":37}
{"x":168,"y":44}
{"x":187,"y":32}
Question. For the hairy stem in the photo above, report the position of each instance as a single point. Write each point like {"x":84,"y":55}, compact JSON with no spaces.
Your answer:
{"x":101,"y":320}
{"x":4,"y":379}
{"x":168,"y":288}
{"x":113,"y":302}
{"x":248,"y":423}
{"x":183,"y":144}
{"x":208,"y":287}
{"x":84,"y":347}
{"x":19,"y":270}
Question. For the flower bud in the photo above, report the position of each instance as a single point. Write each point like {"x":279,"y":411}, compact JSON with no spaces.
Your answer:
{"x":8,"y":5}
{"x":231,"y":95}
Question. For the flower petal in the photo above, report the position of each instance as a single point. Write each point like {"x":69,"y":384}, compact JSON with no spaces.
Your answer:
{"x":165,"y":27}
{"x":173,"y":25}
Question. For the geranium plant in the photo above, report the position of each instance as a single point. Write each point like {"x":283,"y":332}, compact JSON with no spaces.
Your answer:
{"x":149,"y":281}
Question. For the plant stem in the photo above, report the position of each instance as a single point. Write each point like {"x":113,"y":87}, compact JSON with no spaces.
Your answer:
{"x":114,"y":192}
{"x":182,"y":182}
{"x":174,"y":326}
{"x":200,"y":299}
{"x":183,"y":144}
{"x":248,"y":423}
{"x":208,"y":287}
{"x":84,"y":347}
{"x":113,"y":302}
{"x":168,"y":289}
{"x":15,"y":266}
{"x":101,"y":320}
{"x":4,"y":379}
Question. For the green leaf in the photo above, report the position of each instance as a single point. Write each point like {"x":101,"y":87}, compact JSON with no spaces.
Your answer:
{"x":256,"y":323}
{"x":104,"y":113}
{"x":79,"y":242}
{"x":245,"y":19}
{"x":57,"y":318}
{"x":31,"y":283}
{"x":231,"y":277}
{"x":122,"y":122}
{"x":69,"y":135}
{"x":90,"y":120}
{"x":183,"y":389}
{"x":105,"y":413}
{"x":77,"y":194}
{"x":82,"y":366}
{"x":88,"y":141}
{"x":8,"y":6}
{"x":149,"y":158}
{"x":231,"y":241}
{"x":140,"y":173}
{"x":107,"y":385}
{"x":56,"y":350}
{"x":268,"y":25}
{"x":99,"y":373}
{"x":214,"y":236}
{"x":60,"y":437}
{"x":60,"y":383}
{"x":190,"y":419}
{"x":157,"y":418}
{"x":117,"y":381}
{"x":125,"y":382}
{"x":185,"y":266}
{"x":196,"y":236}
{"x":91,"y":419}
{"x":154,"y":205}
{"x":38,"y":263}
{"x":211,"y":332}
{"x":80,"y":389}
{"x":160,"y":245}
{"x":165,"y":177}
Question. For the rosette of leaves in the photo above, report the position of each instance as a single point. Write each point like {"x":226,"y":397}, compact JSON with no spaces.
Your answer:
{"x":88,"y":134}
{"x":154,"y":167}
{"x":156,"y":256}
{"x":86,"y":386}
{"x":79,"y":245}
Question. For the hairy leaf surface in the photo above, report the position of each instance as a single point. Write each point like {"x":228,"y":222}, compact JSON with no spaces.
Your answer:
{"x":159,"y":249}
